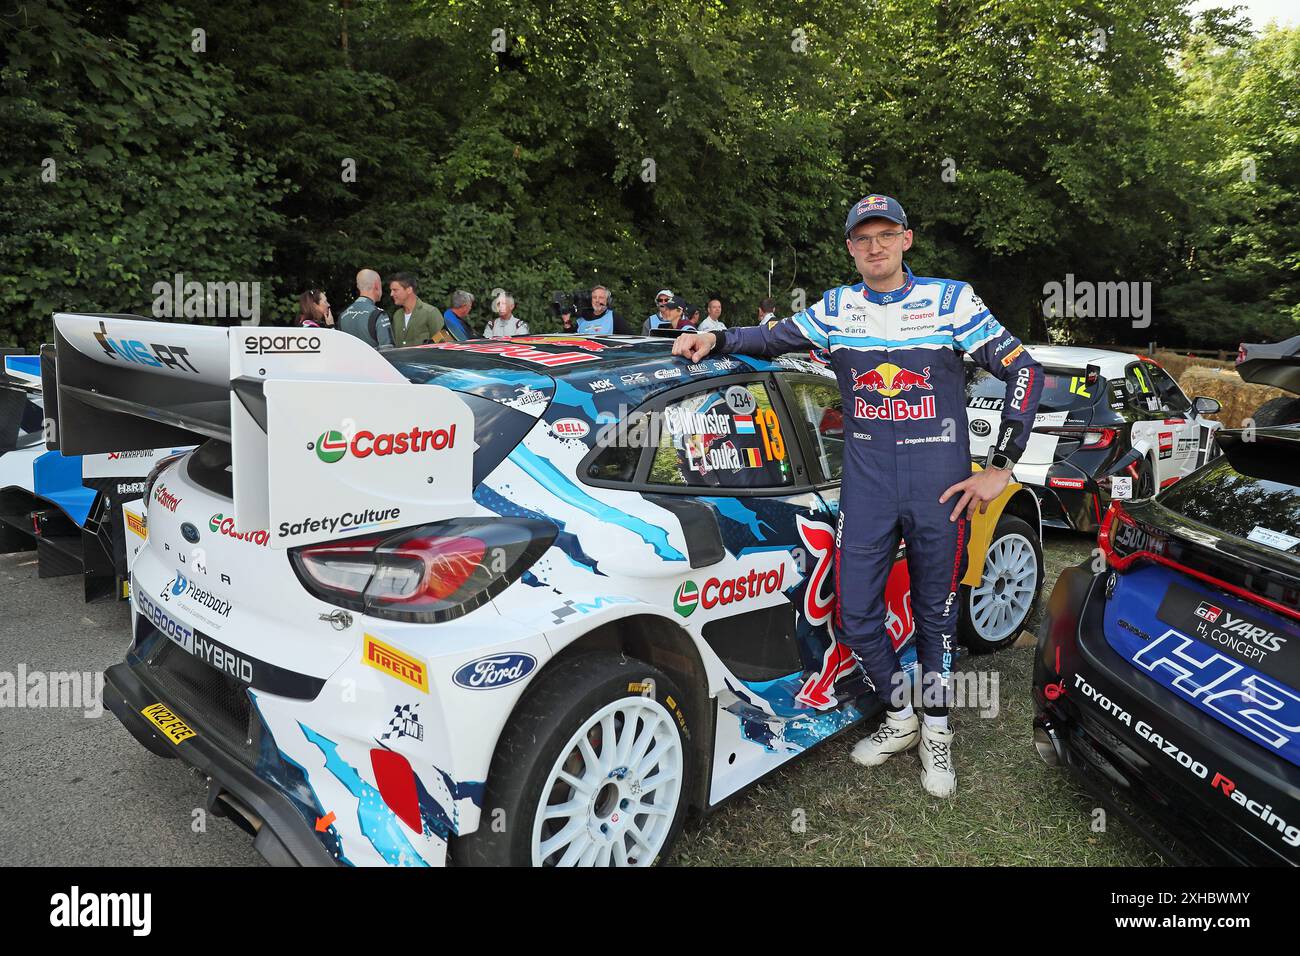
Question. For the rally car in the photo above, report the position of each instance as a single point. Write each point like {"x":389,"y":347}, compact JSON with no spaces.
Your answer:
{"x":1276,"y":364}
{"x":1102,"y":416}
{"x":523,"y":601}
{"x":80,"y":513}
{"x":1170,"y":679}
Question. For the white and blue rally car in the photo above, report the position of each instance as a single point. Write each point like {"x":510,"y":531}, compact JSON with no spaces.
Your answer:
{"x":513,"y":602}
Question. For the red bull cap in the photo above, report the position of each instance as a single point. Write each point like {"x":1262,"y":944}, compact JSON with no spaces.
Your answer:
{"x":875,"y":206}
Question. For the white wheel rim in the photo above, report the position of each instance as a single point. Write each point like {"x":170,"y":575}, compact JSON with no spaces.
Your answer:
{"x":612,"y":795}
{"x":1002,"y":600}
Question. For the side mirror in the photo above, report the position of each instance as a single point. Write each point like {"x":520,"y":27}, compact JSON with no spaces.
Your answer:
{"x":1204,"y":405}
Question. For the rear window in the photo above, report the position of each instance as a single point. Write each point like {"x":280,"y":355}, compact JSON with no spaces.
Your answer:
{"x":1063,"y":390}
{"x":1250,"y":492}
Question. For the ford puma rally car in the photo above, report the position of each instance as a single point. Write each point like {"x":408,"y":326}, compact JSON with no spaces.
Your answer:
{"x":521,"y":601}
{"x":1103,"y":415}
{"x":1170,"y":679}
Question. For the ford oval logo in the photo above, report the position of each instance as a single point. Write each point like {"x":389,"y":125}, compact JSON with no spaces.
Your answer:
{"x":496,"y":670}
{"x":980,"y":427}
{"x":918,"y":304}
{"x":190,"y":533}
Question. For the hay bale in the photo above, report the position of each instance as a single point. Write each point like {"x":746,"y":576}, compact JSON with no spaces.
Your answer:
{"x":1176,"y":363}
{"x":1239,"y":399}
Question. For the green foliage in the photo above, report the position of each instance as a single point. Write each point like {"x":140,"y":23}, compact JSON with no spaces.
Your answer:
{"x":674,"y":143}
{"x":123,"y":165}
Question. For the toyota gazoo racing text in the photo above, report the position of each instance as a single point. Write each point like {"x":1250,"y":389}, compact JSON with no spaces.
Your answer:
{"x":568,"y":583}
{"x":1170,"y":680}
{"x":1102,"y":416}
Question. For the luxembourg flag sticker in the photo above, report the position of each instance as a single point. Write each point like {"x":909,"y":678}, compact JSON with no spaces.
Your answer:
{"x":744,"y":424}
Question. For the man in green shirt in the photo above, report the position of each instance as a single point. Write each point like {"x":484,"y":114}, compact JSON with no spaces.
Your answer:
{"x":414,"y":322}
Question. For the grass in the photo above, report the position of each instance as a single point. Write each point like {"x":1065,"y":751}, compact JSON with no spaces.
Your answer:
{"x":1010,"y":808}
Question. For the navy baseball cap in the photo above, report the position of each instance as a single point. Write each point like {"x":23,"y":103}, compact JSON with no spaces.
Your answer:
{"x":875,"y":206}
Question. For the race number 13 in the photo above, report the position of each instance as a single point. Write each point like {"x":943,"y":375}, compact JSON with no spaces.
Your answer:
{"x":771,"y":429}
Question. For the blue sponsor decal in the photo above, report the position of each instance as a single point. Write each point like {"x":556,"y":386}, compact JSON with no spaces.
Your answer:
{"x":190,"y":533}
{"x":918,"y":304}
{"x":495,"y":670}
{"x":1227,"y":657}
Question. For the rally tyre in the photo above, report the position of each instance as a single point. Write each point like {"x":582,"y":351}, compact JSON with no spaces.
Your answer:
{"x":1278,"y":411}
{"x":1145,"y":486}
{"x":593,"y":769}
{"x":994,"y":612}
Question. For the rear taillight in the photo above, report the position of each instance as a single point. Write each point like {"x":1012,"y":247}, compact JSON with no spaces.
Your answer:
{"x":1124,"y":541}
{"x":427,"y":574}
{"x":1089,"y":439}
{"x":156,"y":471}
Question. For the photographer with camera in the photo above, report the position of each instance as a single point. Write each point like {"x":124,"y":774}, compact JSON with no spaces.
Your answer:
{"x":587,"y":313}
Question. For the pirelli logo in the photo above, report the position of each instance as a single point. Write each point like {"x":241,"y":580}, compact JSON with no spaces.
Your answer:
{"x":173,"y":728}
{"x":405,"y":667}
{"x":136,"y":524}
{"x":1012,"y":355}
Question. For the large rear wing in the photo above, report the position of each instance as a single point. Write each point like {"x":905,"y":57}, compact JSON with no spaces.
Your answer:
{"x":327,"y":438}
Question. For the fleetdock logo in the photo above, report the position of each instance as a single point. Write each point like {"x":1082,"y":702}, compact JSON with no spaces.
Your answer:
{"x":407,"y":668}
{"x":225,"y":527}
{"x":181,"y":586}
{"x":165,"y":498}
{"x":282,"y":345}
{"x":720,"y":592}
{"x":889,"y":381}
{"x":332,"y":445}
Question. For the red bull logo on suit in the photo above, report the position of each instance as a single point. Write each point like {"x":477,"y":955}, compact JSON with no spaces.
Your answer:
{"x":888,"y":381}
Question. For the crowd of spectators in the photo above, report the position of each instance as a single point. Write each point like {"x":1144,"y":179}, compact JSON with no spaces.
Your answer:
{"x":415,"y":322}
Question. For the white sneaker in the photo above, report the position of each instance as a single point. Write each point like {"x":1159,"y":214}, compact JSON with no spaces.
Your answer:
{"x":893,"y":737}
{"x":938,"y":775}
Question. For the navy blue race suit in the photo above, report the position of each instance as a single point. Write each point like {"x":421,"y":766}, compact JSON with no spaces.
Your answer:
{"x":897,"y":357}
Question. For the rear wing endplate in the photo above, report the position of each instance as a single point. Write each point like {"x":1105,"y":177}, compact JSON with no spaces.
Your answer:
{"x":327,"y":438}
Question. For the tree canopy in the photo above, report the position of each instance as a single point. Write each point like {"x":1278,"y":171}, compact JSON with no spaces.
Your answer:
{"x":532,"y":146}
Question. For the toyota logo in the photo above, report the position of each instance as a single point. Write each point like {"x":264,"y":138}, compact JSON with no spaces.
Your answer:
{"x":980,"y":427}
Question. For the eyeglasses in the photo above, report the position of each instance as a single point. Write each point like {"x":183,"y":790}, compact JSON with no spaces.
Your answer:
{"x":886,"y":239}
{"x":661,"y":301}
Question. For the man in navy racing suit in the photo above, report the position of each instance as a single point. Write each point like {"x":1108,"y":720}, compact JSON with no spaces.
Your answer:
{"x":895,"y":342}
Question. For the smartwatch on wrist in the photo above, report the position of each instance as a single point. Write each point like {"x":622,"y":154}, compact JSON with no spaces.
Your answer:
{"x":1001,"y":461}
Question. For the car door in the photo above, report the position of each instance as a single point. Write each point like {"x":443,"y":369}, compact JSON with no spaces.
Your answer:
{"x":1149,"y":432}
{"x":813,"y":403}
{"x":721,"y":462}
{"x":1193,"y":436}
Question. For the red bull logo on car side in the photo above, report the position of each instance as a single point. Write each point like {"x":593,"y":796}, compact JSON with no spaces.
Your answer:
{"x":889,"y":380}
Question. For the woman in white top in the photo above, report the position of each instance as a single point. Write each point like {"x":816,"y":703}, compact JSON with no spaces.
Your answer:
{"x":505,"y":324}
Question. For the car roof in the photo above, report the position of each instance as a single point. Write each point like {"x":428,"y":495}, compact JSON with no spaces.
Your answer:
{"x":638,"y":366}
{"x":1072,"y":356}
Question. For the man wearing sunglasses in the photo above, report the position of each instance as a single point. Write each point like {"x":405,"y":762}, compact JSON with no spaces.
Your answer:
{"x":662,"y":299}
{"x":895,"y":342}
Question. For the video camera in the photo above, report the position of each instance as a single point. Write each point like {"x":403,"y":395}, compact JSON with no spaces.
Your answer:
{"x":576,"y":303}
